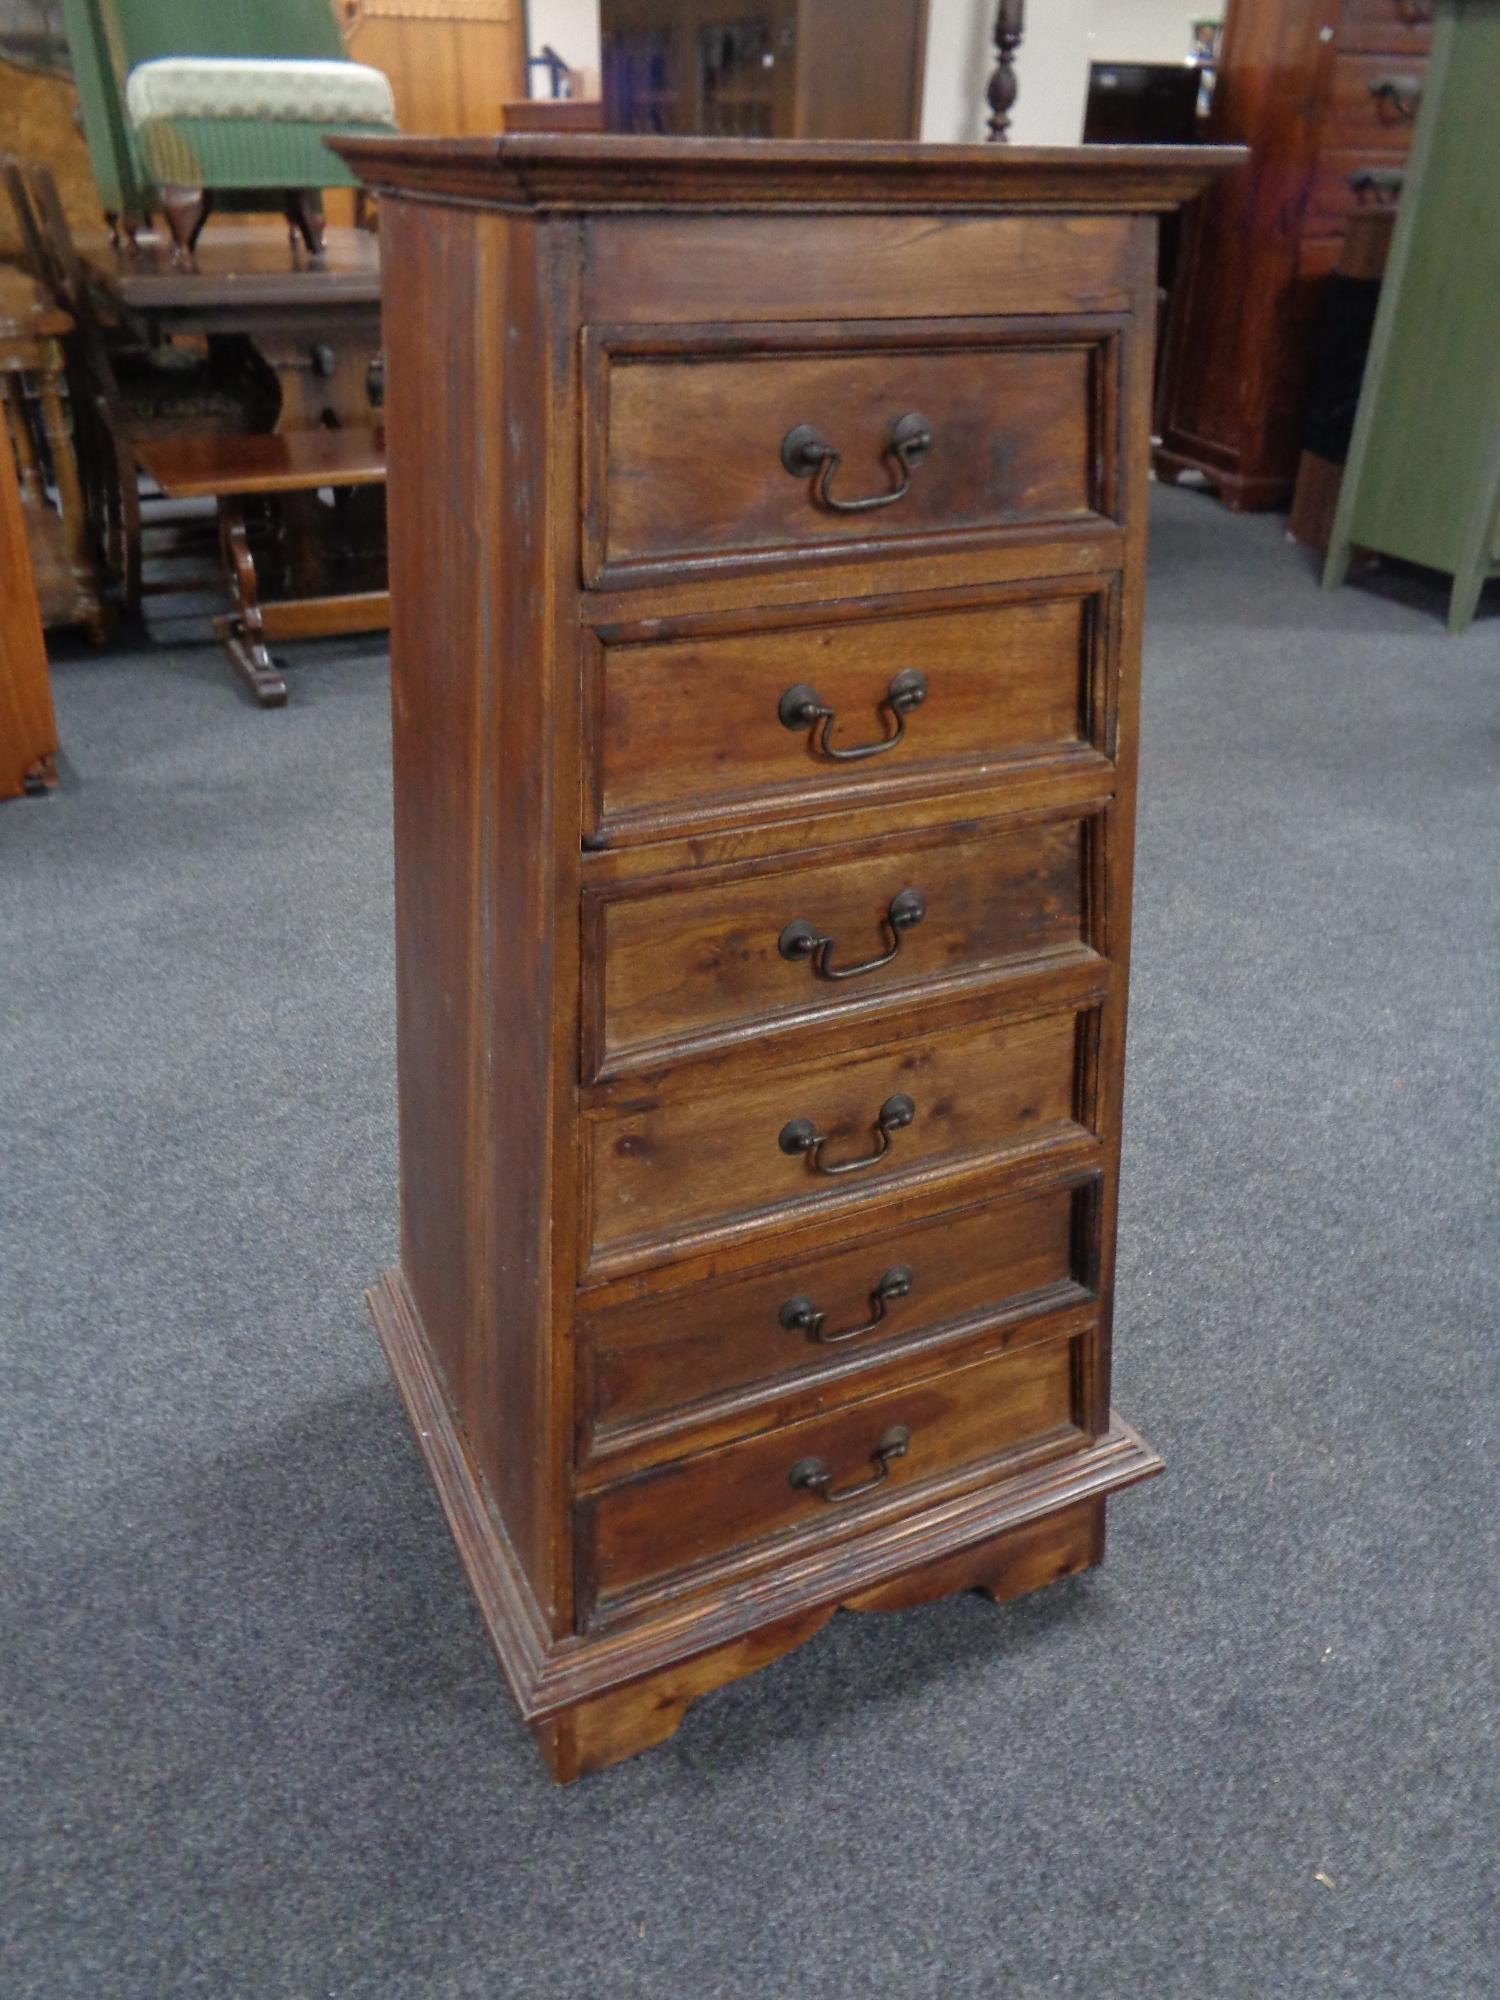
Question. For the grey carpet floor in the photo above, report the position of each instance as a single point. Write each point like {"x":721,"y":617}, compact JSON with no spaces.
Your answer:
{"x":255,"y":1742}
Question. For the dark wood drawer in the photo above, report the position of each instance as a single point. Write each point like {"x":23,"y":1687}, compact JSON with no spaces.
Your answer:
{"x":703,"y":1508}
{"x":654,"y":1366}
{"x":1385,"y":27}
{"x":702,"y":1154}
{"x":690,"y":959}
{"x":1372,"y":102}
{"x":690,"y":728}
{"x":692,"y":428}
{"x":1331,"y":198}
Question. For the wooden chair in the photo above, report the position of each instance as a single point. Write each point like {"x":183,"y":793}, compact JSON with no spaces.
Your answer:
{"x":123,"y":395}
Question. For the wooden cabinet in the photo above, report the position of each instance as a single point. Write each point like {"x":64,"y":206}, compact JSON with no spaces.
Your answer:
{"x":765,"y":69}
{"x":452,"y":63}
{"x":1324,"y":95}
{"x":1422,"y":480}
{"x":766,"y":595}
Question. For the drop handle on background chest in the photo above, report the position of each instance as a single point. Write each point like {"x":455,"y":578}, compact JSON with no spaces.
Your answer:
{"x":811,"y":1475}
{"x":1396,"y":98}
{"x":807,"y":454}
{"x":801,"y":1136}
{"x":802,"y":707}
{"x":804,"y":941}
{"x":800,"y":1315}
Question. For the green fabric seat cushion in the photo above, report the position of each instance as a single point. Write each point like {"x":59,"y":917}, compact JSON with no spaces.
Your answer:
{"x":284,"y":91}
{"x":252,"y":153}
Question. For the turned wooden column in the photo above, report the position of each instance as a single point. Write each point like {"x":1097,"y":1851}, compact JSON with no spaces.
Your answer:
{"x":1010,"y":25}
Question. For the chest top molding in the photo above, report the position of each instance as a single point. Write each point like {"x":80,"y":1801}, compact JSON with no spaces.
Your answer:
{"x":571,"y":173}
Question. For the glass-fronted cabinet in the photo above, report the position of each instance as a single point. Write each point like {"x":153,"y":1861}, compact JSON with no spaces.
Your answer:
{"x":765,"y":69}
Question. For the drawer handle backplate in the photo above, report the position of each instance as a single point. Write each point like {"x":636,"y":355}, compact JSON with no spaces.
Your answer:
{"x":807,"y":454}
{"x":811,"y":1475}
{"x":801,"y":707}
{"x":802,"y":1136}
{"x":802,"y":940}
{"x":1397,"y":97}
{"x":800,"y":1315}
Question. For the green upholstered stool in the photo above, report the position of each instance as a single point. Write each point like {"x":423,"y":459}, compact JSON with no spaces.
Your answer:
{"x":190,"y":105}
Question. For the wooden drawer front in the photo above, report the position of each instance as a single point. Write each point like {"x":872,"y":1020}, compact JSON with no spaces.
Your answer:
{"x":693,"y":958}
{"x":689,"y":729}
{"x":706,"y":1155}
{"x":690,"y":426}
{"x":1359,"y":115}
{"x":1386,"y":27}
{"x":723,"y":1500}
{"x":1331,"y":200}
{"x":675,"y":1358}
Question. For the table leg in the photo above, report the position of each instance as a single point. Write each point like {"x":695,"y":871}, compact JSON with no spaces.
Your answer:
{"x":57,"y":426}
{"x":245,"y":635}
{"x":30,"y":473}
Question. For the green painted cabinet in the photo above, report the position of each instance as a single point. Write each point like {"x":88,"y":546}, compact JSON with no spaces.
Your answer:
{"x":1422,"y":481}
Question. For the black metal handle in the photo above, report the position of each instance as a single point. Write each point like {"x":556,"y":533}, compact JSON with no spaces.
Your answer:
{"x":800,"y":1315}
{"x":1397,"y":96}
{"x":807,"y":454}
{"x":811,"y":1475}
{"x":802,"y":1136}
{"x":802,"y":940}
{"x":801,"y":707}
{"x":1377,"y":181}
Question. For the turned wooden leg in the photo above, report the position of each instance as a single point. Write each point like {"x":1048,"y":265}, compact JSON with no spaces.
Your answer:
{"x":186,"y":210}
{"x":613,"y":1726}
{"x":304,"y":213}
{"x":28,"y":471}
{"x":244,"y":634}
{"x":57,"y":427}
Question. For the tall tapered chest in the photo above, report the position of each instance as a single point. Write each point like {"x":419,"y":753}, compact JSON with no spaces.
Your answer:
{"x":767,"y":536}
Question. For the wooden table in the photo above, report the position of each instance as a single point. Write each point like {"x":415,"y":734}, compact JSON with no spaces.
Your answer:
{"x":32,"y":378}
{"x":232,"y":470}
{"x":316,"y":321}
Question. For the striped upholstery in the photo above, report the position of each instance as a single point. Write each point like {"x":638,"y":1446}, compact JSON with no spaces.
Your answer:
{"x":243,"y":153}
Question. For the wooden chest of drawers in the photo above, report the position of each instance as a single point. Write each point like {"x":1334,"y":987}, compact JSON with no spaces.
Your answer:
{"x":1324,"y":94}
{"x":767,"y":531}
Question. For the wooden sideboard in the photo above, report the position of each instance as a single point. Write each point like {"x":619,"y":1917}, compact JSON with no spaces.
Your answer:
{"x":1324,"y":93}
{"x":767,"y":567}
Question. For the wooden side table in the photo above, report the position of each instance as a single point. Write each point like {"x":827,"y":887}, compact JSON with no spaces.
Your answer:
{"x":40,"y":421}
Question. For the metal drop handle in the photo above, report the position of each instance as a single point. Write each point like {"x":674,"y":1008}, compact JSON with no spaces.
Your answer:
{"x":1396,"y":97}
{"x":812,"y":1475}
{"x":802,"y":940}
{"x":802,"y":707}
{"x":807,"y":454}
{"x":800,"y":1315}
{"x":802,"y":1136}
